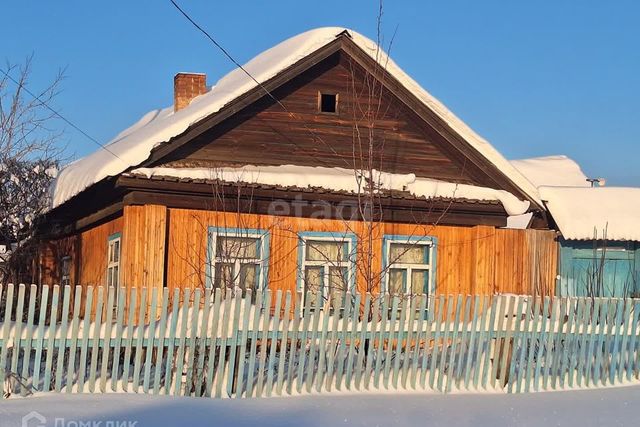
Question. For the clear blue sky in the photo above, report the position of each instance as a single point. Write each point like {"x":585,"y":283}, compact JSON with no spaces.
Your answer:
{"x":541,"y":78}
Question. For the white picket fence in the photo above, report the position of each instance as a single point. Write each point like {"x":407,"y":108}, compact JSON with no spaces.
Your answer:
{"x":202,"y":343}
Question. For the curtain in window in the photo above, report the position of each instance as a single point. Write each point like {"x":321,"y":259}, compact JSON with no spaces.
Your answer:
{"x":407,"y":253}
{"x":326,"y":251}
{"x":236,"y":247}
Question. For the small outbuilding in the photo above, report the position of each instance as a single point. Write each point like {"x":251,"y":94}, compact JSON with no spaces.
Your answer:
{"x":599,"y":228}
{"x":600,"y":244}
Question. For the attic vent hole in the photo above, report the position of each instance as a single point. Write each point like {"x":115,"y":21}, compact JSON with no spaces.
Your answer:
{"x":328,"y":103}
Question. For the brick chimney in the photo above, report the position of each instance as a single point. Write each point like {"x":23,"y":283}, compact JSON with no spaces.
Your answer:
{"x":187,"y":86}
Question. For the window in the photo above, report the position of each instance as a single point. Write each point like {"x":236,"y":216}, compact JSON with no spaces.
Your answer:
{"x":65,"y":271}
{"x":328,"y":102}
{"x":113,"y":260}
{"x":238,"y":259}
{"x":327,"y":264}
{"x":408,"y":264}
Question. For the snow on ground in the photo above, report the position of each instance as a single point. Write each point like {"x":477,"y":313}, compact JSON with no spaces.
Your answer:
{"x":134,"y":145}
{"x":340,"y":179}
{"x":614,"y":406}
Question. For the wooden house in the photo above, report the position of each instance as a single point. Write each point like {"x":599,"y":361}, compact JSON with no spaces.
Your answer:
{"x":336,"y":168}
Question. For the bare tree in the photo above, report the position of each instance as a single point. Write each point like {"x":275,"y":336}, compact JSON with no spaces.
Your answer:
{"x":30,"y":154}
{"x":370,"y":105}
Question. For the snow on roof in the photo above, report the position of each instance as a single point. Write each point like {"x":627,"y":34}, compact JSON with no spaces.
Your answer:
{"x":520,"y":222}
{"x":557,"y":171}
{"x":582,"y":213}
{"x":134,"y":145}
{"x":340,"y":179}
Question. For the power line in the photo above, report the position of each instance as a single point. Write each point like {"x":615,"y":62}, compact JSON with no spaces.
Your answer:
{"x":237,"y":64}
{"x":60,"y":116}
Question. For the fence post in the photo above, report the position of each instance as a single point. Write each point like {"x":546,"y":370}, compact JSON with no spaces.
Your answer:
{"x":5,"y":335}
{"x":29,"y":338}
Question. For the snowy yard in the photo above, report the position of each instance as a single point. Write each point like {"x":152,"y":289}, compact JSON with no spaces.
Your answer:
{"x":613,"y":406}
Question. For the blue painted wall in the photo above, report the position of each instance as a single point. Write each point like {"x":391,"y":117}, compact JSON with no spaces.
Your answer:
{"x":589,"y":268}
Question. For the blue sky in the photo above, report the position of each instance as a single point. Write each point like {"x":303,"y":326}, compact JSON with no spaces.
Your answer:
{"x":534,"y":78}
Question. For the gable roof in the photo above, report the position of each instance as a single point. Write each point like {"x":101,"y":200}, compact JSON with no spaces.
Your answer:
{"x":134,"y":146}
{"x":584,"y":213}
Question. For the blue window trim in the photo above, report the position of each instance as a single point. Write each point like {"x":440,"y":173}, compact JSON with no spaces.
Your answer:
{"x":114,"y":236}
{"x":399,"y":238}
{"x":351,"y":237}
{"x":265,"y":247}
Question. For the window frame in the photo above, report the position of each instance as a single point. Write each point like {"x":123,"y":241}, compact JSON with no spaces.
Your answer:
{"x":428,"y":241}
{"x":264,"y":236}
{"x":111,"y":242}
{"x":349,"y":238}
{"x":337,"y":103}
{"x":65,"y":279}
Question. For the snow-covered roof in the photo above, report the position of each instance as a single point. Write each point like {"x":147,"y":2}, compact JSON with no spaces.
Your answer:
{"x":134,"y":145}
{"x":556,"y":171}
{"x":585,"y":213}
{"x":519,"y":222}
{"x":340,"y":179}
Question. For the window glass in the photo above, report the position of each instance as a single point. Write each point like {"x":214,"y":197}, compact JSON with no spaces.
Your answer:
{"x":408,"y":253}
{"x":236,"y":247}
{"x":224,"y":275}
{"x":419,"y":281}
{"x":396,"y":281}
{"x":248,"y":276}
{"x":113,"y":262}
{"x":116,"y":251}
{"x":326,"y":251}
{"x":313,"y":278}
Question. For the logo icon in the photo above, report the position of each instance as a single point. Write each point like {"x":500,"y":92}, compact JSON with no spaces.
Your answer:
{"x":34,"y":419}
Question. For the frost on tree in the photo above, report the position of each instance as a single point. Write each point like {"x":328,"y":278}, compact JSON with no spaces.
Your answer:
{"x":29,"y":157}
{"x":23,"y":195}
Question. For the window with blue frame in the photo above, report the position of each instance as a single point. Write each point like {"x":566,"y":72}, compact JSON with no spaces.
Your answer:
{"x":408,"y":264}
{"x":238,"y":259}
{"x":113,"y":260}
{"x":326,"y":264}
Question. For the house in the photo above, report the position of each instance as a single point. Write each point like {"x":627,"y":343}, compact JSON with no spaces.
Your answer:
{"x":336,"y":171}
{"x":599,"y":253}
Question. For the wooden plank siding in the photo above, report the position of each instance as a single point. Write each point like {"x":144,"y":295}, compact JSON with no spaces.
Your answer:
{"x":93,"y":252}
{"x":143,"y":248}
{"x":88,"y":252}
{"x":470,"y":260}
{"x":265,"y":134}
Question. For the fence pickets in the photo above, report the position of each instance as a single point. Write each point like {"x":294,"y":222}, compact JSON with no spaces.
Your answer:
{"x":268,"y":343}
